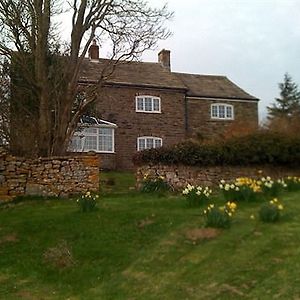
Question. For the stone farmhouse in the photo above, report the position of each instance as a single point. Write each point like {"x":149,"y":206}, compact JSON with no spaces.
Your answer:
{"x":146,"y":105}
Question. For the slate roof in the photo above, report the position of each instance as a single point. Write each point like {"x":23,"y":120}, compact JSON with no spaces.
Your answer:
{"x":133,"y":73}
{"x":147,"y":74}
{"x":211,"y":86}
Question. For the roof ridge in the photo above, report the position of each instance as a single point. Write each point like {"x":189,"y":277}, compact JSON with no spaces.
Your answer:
{"x":193,"y":74}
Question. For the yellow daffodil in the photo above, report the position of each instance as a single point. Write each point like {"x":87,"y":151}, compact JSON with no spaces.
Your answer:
{"x":280,"y":207}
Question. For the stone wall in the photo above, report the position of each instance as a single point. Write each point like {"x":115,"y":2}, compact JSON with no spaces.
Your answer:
{"x":179,"y":176}
{"x":54,"y":176}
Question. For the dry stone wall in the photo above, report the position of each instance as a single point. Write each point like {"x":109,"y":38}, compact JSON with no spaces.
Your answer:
{"x":53,"y":176}
{"x":178,"y":176}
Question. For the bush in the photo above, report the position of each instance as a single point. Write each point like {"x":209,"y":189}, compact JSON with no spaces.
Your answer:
{"x":219,"y":217}
{"x":196,"y":196}
{"x":270,"y":212}
{"x":261,"y":148}
{"x":87,"y":202}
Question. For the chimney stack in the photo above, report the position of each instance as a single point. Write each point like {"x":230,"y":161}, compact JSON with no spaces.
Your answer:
{"x":164,"y":59}
{"x":94,"y":51}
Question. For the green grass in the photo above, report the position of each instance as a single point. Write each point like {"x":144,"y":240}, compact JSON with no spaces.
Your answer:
{"x":134,"y":247}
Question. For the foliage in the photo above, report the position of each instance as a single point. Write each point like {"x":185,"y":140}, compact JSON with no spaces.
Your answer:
{"x":219,"y":217}
{"x":289,"y":102}
{"x":293,"y":183}
{"x":156,"y":184}
{"x":263,"y":147}
{"x":242,"y":188}
{"x":272,"y":188}
{"x":196,"y":195}
{"x":270,"y":212}
{"x":87,"y":202}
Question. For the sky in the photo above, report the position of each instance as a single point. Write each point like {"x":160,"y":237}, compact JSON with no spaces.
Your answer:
{"x":252,"y":42}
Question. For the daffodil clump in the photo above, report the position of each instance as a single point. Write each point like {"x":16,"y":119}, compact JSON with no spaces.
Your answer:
{"x":271,"y":211}
{"x":155,"y":184}
{"x":242,"y":188}
{"x":219,"y":217}
{"x":293,"y":183}
{"x":87,"y":202}
{"x":272,"y":187}
{"x":196,"y":195}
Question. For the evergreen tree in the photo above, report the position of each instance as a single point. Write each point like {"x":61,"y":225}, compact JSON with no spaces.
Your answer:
{"x":288,"y":104}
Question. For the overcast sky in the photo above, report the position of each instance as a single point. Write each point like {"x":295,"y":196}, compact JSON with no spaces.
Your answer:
{"x":252,"y":42}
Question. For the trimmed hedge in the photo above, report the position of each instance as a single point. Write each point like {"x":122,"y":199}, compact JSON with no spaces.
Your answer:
{"x":255,"y":149}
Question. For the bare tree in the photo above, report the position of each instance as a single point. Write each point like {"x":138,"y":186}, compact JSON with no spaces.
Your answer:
{"x":4,"y":103}
{"x":45,"y":77}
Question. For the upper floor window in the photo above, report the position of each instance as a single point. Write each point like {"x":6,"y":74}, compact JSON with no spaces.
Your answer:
{"x":148,"y":142}
{"x":222,"y":111}
{"x":147,"y":104}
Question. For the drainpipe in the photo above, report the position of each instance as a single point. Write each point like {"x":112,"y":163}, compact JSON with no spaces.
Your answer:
{"x":186,"y":120}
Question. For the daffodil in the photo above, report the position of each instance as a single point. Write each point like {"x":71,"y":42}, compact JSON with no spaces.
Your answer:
{"x":280,"y":207}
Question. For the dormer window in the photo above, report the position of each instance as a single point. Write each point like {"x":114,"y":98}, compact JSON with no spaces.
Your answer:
{"x":222,"y":111}
{"x":147,"y":104}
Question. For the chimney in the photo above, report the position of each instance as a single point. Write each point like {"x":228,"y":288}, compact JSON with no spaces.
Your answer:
{"x":164,"y":59}
{"x":94,"y":51}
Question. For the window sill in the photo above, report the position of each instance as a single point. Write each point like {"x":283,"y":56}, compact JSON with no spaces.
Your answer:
{"x":148,"y":112}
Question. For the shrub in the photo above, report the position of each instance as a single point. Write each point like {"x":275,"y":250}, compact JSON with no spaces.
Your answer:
{"x":219,"y":217}
{"x":270,"y":212}
{"x":87,"y":202}
{"x":263,"y":147}
{"x":156,"y":184}
{"x":196,"y":195}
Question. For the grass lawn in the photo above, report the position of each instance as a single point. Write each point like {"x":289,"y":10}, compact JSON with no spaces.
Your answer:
{"x":135,"y":247}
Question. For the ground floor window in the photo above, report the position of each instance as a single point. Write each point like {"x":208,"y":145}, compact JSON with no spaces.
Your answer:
{"x":148,"y":142}
{"x":96,"y":137}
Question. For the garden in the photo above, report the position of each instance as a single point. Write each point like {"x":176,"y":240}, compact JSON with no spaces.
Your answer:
{"x":237,"y":240}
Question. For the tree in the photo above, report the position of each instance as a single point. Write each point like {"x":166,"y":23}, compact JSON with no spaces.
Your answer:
{"x":44,"y":73}
{"x":4,"y":103}
{"x":285,"y":113}
{"x":288,"y":104}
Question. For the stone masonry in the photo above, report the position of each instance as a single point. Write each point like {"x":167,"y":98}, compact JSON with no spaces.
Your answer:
{"x":178,"y":176}
{"x":54,"y":176}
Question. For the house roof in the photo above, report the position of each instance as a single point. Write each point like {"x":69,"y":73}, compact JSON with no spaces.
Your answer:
{"x":147,"y":74}
{"x":211,"y":86}
{"x":132,"y":73}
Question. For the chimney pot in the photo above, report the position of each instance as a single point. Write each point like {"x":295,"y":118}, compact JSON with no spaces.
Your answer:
{"x":164,"y":59}
{"x":94,"y":51}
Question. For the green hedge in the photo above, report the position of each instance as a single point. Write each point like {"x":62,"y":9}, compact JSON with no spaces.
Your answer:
{"x":256,"y":149}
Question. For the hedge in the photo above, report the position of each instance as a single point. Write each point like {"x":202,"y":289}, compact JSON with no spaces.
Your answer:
{"x":255,"y":149}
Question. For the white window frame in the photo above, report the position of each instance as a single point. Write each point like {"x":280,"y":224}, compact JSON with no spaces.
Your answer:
{"x":82,"y":136}
{"x":143,"y":99}
{"x":226,"y":106}
{"x":153,"y":138}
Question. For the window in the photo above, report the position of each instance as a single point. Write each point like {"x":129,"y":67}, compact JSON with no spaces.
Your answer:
{"x":147,"y":104}
{"x":98,"y":139}
{"x":148,"y":142}
{"x":222,"y":111}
